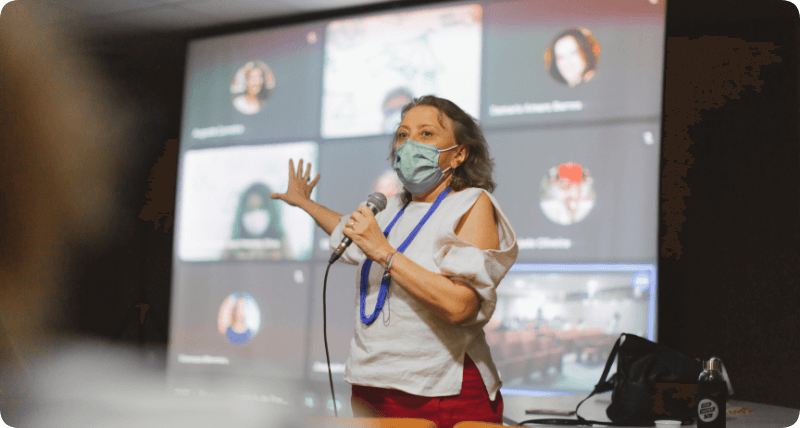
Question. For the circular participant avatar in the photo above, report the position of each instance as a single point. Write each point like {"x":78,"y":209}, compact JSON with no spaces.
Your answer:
{"x":252,"y":85}
{"x":566,"y":194}
{"x":572,"y":56}
{"x":239,"y":318}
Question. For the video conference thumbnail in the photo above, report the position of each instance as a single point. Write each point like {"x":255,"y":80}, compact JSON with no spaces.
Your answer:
{"x":225,"y":210}
{"x":261,"y":85}
{"x":375,"y":65}
{"x":247,"y":318}
{"x":580,"y":195}
{"x":554,"y":325}
{"x":559,"y":62}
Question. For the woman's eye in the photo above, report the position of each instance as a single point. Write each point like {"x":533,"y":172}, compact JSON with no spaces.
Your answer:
{"x":427,"y":133}
{"x":402,"y":135}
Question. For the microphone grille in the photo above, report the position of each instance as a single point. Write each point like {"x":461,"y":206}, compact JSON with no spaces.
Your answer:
{"x":377,"y":200}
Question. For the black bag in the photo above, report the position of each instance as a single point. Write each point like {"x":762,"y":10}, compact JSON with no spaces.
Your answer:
{"x":652,"y":382}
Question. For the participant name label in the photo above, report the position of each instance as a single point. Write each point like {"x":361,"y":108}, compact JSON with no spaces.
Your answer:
{"x":202,"y":359}
{"x":534,"y":108}
{"x":544,"y":243}
{"x":274,"y":399}
{"x":217,"y":131}
{"x":322,"y":367}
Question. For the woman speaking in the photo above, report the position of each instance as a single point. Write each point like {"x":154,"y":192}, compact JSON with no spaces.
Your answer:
{"x":433,"y":258}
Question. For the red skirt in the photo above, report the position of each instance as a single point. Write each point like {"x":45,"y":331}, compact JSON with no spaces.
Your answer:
{"x":472,"y":404}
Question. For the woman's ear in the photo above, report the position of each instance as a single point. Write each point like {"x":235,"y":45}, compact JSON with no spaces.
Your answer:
{"x":462,"y":152}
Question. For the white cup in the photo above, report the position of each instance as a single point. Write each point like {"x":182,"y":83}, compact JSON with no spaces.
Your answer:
{"x":667,"y":424}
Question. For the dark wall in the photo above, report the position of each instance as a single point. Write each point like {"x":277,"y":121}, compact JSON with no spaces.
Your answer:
{"x":730,"y":232}
{"x":730,"y":236}
{"x":135,"y":267}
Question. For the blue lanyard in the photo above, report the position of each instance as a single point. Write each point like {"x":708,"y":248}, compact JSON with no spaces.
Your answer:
{"x":386,"y":279}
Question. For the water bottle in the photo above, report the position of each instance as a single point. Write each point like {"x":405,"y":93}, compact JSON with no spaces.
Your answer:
{"x":712,"y":393}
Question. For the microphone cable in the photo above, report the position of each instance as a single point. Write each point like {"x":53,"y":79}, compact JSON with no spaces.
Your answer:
{"x":325,"y":335}
{"x":376,"y":202}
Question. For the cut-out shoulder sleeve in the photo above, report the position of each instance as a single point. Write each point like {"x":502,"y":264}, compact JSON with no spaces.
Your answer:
{"x":480,"y":269}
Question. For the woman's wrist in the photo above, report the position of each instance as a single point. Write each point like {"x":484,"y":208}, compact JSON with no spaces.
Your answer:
{"x":387,"y":260}
{"x":307,"y":205}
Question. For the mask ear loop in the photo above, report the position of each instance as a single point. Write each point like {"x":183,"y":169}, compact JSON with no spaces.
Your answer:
{"x":450,"y":167}
{"x":447,"y":149}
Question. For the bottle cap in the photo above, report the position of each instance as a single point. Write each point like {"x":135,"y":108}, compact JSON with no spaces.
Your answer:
{"x":715,"y":363}
{"x":712,"y":364}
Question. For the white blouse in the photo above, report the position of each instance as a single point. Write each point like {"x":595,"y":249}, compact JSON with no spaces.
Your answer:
{"x":416,"y":351}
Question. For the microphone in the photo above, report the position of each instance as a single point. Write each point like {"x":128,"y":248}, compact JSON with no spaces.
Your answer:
{"x":377,"y":203}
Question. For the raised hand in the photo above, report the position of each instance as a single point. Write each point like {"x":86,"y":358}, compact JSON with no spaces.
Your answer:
{"x":300,"y":186}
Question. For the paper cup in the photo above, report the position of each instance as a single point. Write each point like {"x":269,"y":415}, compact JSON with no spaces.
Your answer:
{"x":667,"y":424}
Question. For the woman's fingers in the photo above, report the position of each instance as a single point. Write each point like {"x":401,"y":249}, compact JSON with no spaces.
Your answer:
{"x":313,"y":183}
{"x":298,"y":173}
{"x":348,"y":233}
{"x":357,"y":216}
{"x":365,"y":232}
{"x":298,"y":180}
{"x":364,"y":211}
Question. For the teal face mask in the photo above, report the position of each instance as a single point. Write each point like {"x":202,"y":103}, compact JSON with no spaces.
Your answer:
{"x":417,"y":166}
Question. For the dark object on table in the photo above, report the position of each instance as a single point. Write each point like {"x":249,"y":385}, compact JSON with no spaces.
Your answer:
{"x":646,"y":372}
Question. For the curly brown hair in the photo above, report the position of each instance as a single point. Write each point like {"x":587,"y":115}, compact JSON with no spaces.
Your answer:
{"x":476,"y":171}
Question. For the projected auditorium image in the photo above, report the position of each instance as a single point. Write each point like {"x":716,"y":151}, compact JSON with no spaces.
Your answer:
{"x":554,"y":326}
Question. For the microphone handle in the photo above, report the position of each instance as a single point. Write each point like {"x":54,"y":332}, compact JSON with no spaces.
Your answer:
{"x":340,"y":249}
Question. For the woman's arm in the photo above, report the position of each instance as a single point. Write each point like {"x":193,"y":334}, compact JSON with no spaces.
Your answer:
{"x":451,"y":300}
{"x":325,"y":218}
{"x":298,"y":194}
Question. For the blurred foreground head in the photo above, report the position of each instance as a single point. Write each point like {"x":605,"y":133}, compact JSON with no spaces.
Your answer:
{"x":61,"y":143}
{"x":65,"y":139}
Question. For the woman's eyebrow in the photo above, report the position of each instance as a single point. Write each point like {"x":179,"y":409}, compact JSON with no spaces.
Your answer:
{"x":423,"y":125}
